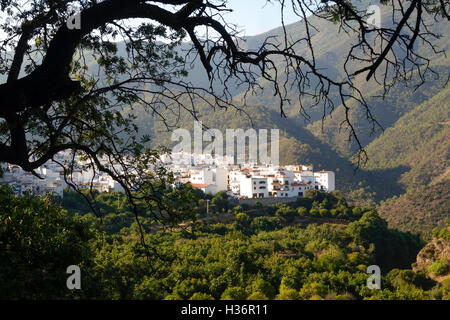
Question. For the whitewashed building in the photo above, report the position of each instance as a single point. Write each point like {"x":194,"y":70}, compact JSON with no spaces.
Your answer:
{"x":212,"y":179}
{"x":326,"y":180}
{"x":254,"y":186}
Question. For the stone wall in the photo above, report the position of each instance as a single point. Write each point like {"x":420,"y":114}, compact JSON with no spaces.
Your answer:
{"x":265,"y":201}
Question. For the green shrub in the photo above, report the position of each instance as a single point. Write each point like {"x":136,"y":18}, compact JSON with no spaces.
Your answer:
{"x":439,"y":267}
{"x":302,"y":212}
{"x":443,"y":233}
{"x":257,"y":296}
{"x":324,"y":213}
{"x":201,"y":296}
{"x":264,"y":287}
{"x":234,"y":293}
{"x":314,"y":289}
{"x":285,"y":212}
{"x":288,"y":294}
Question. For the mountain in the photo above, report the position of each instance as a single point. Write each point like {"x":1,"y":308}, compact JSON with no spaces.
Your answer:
{"x":401,"y":99}
{"x":417,"y":146}
{"x":420,"y":140}
{"x":420,"y":210}
{"x":331,"y":45}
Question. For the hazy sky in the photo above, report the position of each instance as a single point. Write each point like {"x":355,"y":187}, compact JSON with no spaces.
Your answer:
{"x":255,"y":16}
{"x":252,"y":16}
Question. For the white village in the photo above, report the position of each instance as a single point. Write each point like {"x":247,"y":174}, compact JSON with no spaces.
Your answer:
{"x":210,"y":174}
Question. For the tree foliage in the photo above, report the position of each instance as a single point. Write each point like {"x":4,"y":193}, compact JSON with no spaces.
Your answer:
{"x":216,"y":261}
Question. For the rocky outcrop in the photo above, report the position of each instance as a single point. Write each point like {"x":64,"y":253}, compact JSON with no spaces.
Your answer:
{"x":435,"y":250}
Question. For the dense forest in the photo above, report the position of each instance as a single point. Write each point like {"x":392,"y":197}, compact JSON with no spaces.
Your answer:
{"x":317,"y":248}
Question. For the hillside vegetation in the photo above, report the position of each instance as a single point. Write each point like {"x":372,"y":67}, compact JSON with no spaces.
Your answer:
{"x":419,"y":139}
{"x":400,"y":100}
{"x":255,"y":256}
{"x":418,"y":147}
{"x":419,"y":210}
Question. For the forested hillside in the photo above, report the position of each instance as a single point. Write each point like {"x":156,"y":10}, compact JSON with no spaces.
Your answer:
{"x":420,"y":140}
{"x":297,"y":144}
{"x":418,"y":147}
{"x":419,"y":210}
{"x":387,"y":111}
{"x":330,"y":46}
{"x":318,"y":248}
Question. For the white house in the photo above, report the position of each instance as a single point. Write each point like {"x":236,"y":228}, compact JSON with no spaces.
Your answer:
{"x":215,"y":178}
{"x":326,"y":179}
{"x":254,"y":187}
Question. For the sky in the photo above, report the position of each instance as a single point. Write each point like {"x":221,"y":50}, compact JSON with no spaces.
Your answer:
{"x":252,"y":17}
{"x":257,"y":16}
